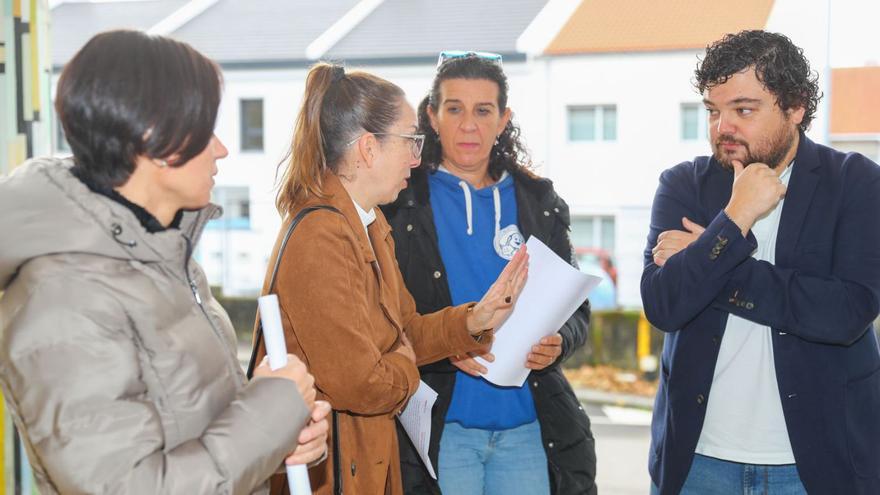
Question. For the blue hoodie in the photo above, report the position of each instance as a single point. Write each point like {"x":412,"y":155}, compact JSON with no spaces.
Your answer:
{"x":467,"y":221}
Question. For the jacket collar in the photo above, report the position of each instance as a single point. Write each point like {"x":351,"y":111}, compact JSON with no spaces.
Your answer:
{"x":335,"y":195}
{"x":123,"y":229}
{"x":798,"y":196}
{"x":418,"y":192}
{"x":801,"y":186}
{"x":530,"y":190}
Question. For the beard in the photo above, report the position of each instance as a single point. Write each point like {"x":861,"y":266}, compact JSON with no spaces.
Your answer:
{"x":770,"y":151}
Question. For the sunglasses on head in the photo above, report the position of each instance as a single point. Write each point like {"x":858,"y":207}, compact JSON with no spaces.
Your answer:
{"x":454,"y":54}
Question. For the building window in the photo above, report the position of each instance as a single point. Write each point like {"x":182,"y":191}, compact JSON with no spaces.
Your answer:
{"x":592,"y":123}
{"x":693,"y":122}
{"x":592,"y":238}
{"x":593,"y":232}
{"x":252,"y":125}
{"x":236,"y":205}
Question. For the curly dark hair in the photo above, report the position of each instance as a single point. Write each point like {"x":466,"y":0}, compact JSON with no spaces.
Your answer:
{"x":779,"y":65}
{"x":509,"y":152}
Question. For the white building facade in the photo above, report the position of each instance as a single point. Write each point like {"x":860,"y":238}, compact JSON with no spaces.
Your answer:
{"x":602,"y":126}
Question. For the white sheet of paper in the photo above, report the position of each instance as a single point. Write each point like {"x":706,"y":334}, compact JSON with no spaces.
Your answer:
{"x":553,"y":291}
{"x":416,"y":421}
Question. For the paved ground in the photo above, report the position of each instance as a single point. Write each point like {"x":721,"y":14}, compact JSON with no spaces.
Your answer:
{"x":623,"y":437}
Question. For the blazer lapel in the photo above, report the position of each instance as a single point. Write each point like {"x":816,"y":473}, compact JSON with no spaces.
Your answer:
{"x":385,"y":266}
{"x":714,"y":192}
{"x":801,"y":185}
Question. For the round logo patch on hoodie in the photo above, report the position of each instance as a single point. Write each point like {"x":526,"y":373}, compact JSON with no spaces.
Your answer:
{"x":507,"y":241}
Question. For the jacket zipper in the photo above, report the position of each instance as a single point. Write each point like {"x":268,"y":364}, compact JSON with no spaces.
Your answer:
{"x":195,"y":291}
{"x":198,"y":298}
{"x":192,"y":284}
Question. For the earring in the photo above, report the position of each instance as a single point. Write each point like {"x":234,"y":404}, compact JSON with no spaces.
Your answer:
{"x":496,"y":140}
{"x":161,"y":163}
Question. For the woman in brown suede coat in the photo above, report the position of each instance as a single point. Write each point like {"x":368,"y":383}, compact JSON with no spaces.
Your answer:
{"x":345,"y":309}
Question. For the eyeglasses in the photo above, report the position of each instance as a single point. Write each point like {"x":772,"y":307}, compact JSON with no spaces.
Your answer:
{"x":417,"y":141}
{"x":454,"y":54}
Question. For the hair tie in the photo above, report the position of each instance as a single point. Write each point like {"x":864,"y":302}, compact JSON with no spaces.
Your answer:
{"x":338,"y":73}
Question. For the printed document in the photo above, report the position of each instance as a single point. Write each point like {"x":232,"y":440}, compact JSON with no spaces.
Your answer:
{"x":553,"y":291}
{"x":416,"y":420}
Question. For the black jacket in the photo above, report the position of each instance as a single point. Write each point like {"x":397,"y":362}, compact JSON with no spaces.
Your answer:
{"x":565,"y":427}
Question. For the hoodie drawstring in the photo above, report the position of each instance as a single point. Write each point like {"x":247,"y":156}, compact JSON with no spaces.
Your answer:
{"x":468,"y":206}
{"x":496,"y":197}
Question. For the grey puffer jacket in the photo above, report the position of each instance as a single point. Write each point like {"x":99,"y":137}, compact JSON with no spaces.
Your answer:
{"x":118,"y":366}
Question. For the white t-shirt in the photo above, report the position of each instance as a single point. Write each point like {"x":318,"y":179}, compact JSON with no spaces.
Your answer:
{"x":744,"y":420}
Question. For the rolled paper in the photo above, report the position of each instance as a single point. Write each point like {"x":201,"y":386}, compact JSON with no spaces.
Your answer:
{"x":276,"y":349}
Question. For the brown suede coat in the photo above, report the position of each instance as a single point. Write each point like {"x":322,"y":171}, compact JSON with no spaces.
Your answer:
{"x":344,"y":307}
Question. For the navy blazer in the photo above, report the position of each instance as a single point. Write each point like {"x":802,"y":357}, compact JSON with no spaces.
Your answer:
{"x":820,"y":299}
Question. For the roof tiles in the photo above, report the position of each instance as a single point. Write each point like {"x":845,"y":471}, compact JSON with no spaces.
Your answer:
{"x":632,"y":25}
{"x":855,"y":100}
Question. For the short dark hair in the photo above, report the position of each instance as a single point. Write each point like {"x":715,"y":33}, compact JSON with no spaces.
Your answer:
{"x":127,"y":94}
{"x":779,"y":65}
{"x":510,"y":152}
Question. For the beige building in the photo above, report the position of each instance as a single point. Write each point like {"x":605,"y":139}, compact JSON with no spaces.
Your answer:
{"x":855,"y":110}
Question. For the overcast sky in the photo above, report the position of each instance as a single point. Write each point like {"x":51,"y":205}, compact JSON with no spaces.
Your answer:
{"x":855,"y":32}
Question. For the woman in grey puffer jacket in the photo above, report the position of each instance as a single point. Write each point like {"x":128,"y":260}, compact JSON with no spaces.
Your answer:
{"x":118,"y":366}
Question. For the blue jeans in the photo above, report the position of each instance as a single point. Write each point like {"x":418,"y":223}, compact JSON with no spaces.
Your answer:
{"x":710,"y":476}
{"x":484,"y":462}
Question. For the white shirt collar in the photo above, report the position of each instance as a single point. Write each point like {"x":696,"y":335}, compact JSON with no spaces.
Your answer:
{"x":786,"y":173}
{"x":367,"y":217}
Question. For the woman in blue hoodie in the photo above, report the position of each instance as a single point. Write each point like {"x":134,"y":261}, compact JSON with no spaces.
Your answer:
{"x":470,"y":204}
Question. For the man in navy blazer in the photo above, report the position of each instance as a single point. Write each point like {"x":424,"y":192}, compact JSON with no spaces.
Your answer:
{"x":763,"y":267}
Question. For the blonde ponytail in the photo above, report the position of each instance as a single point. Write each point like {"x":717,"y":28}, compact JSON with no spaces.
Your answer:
{"x":306,"y":160}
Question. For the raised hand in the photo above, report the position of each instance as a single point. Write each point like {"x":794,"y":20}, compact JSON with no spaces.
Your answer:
{"x":756,"y":190}
{"x":497,"y":303}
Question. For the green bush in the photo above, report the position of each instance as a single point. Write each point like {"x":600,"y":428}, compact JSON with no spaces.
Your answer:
{"x":241,"y":310}
{"x":612,"y":340}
